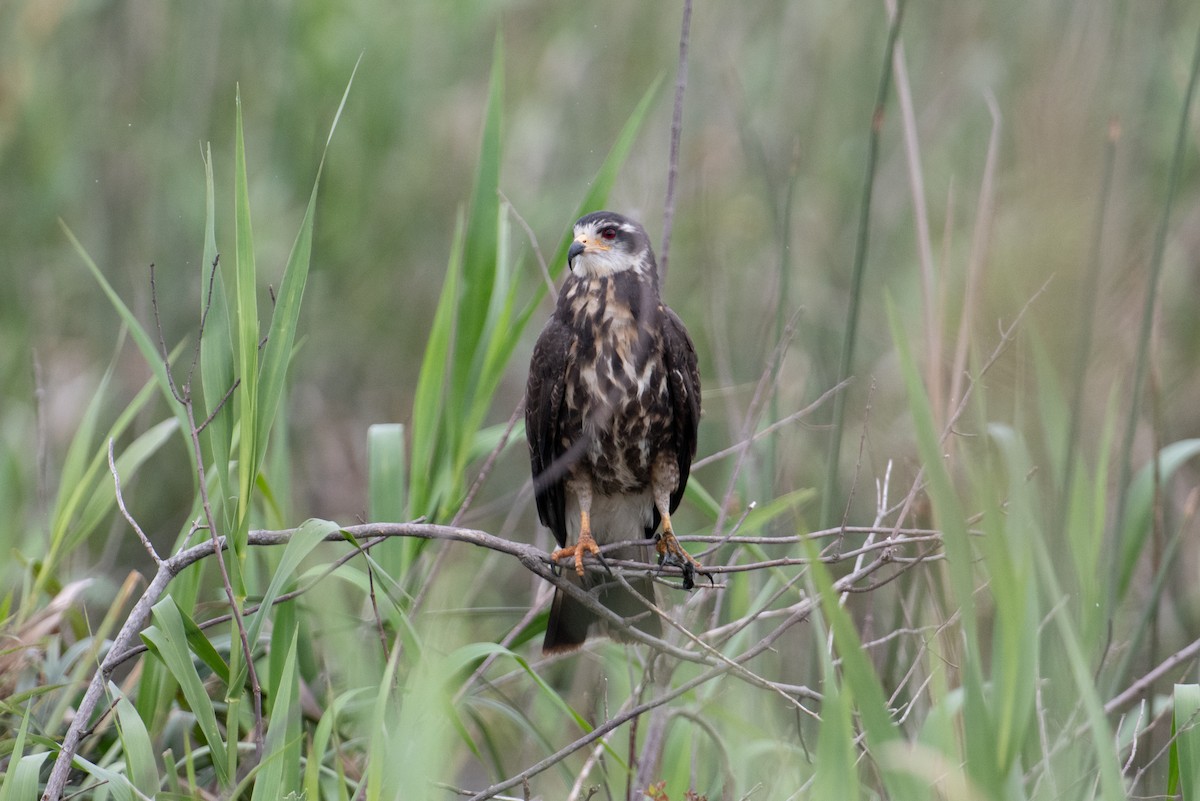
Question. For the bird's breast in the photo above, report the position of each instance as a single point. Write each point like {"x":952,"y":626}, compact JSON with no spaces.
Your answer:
{"x":616,"y":391}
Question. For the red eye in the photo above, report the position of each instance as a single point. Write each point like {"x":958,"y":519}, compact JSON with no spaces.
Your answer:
{"x":608,"y":234}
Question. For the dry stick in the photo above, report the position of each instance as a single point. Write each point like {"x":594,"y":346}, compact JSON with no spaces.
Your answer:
{"x":745,"y":673}
{"x":862,"y":444}
{"x":880,"y":512}
{"x":1172,"y":662}
{"x":676,"y":133}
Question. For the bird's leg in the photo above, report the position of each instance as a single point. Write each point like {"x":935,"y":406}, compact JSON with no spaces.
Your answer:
{"x":586,"y":543}
{"x":664,"y":478}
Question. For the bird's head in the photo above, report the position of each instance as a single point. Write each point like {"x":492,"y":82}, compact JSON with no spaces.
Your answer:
{"x":607,"y":243}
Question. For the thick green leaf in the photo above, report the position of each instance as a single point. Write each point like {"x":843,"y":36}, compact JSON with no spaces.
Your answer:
{"x":385,"y":472}
{"x":1010,"y":521}
{"x":1185,"y":747}
{"x":110,"y":781}
{"x":1140,"y":506}
{"x":282,"y":334}
{"x":167,"y":639}
{"x":836,"y":769}
{"x":597,"y":194}
{"x":140,"y":765}
{"x":21,"y":778}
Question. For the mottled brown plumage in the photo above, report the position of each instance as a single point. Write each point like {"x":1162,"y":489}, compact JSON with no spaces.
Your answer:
{"x":611,"y":412}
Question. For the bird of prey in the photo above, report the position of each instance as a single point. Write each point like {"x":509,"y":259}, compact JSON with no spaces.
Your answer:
{"x":611,"y":412}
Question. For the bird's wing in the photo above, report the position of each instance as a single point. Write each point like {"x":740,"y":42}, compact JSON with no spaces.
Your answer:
{"x":543,"y":418}
{"x":683,"y":383}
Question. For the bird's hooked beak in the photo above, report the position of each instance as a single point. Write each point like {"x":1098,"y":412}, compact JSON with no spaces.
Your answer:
{"x":577,"y":247}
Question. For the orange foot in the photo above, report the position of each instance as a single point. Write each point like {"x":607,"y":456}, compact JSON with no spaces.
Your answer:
{"x":586,"y":544}
{"x":670,"y":552}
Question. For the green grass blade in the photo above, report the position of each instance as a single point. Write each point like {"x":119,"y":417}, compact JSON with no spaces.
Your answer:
{"x":246,"y":292}
{"x":167,"y":639}
{"x":981,"y":751}
{"x":217,"y":372}
{"x":432,"y":385}
{"x":481,"y":246}
{"x":104,"y":497}
{"x":281,"y":746}
{"x":1108,"y":770}
{"x":1010,"y":521}
{"x":309,"y":535}
{"x":862,"y":683}
{"x":385,"y":472}
{"x":831,"y":497}
{"x":1185,"y":748}
{"x":599,"y":188}
{"x":76,"y":511}
{"x":1139,"y":508}
{"x":836,"y":770}
{"x":20,"y":783}
{"x":140,"y":765}
{"x":145,"y":343}
{"x":285,"y":319}
{"x":21,"y":779}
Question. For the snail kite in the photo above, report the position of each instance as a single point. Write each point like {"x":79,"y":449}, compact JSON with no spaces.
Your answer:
{"x":611,"y":412}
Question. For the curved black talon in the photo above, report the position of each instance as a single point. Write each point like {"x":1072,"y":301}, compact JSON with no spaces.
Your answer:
{"x":685,"y":568}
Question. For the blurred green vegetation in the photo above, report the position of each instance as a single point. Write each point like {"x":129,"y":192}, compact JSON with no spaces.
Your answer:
{"x":107,"y":107}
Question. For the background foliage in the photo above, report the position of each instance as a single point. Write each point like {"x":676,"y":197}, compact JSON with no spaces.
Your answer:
{"x":1045,"y":141}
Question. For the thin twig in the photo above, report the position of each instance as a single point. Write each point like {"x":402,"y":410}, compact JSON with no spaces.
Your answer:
{"x":676,"y":134}
{"x":184,"y":397}
{"x":237,"y":382}
{"x":753,"y":411}
{"x":778,"y":424}
{"x":112,"y":466}
{"x":533,"y":243}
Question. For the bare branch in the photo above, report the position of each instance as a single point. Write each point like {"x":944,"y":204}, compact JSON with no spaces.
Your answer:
{"x":112,"y":466}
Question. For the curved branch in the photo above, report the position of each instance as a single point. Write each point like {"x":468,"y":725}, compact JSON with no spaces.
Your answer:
{"x":531,"y":558}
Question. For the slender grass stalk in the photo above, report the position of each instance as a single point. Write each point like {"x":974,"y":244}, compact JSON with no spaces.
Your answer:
{"x":1087,"y":318}
{"x":850,"y":337}
{"x":1142,"y":357}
